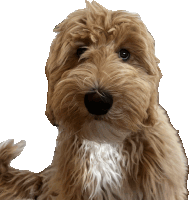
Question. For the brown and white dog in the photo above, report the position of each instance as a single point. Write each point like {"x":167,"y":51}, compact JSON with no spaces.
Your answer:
{"x":115,"y":141}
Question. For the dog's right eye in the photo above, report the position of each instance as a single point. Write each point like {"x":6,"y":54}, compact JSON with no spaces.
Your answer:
{"x":80,"y":51}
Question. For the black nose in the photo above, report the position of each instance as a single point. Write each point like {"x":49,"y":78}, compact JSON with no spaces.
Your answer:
{"x":98,"y":102}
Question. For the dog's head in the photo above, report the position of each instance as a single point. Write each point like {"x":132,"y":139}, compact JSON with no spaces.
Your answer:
{"x":102,"y":73}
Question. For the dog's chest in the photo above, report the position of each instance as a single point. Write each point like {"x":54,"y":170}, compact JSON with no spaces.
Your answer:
{"x":104,"y":175}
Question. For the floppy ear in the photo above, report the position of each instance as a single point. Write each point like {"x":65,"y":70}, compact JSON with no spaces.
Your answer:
{"x":51,"y":66}
{"x":154,"y":100}
{"x":49,"y":111}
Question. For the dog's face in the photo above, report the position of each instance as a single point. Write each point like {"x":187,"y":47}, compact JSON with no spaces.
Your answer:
{"x":102,"y":74}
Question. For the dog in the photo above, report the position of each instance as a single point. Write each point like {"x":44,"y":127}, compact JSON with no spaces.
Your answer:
{"x":115,"y":141}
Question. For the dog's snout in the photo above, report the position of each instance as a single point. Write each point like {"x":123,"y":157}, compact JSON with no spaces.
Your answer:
{"x":98,"y":102}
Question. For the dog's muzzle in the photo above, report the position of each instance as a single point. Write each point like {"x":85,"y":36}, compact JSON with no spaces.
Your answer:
{"x":98,"y":102}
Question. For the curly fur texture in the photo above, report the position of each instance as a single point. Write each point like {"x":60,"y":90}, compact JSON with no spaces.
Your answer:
{"x":130,"y":153}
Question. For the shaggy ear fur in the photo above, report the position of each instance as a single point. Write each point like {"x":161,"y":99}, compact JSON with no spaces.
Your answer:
{"x":51,"y":70}
{"x":51,"y":66}
{"x":154,"y":101}
{"x":49,"y":112}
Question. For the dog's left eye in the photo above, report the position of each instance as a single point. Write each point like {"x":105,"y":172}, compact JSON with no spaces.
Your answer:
{"x":80,"y":51}
{"x":124,"y":54}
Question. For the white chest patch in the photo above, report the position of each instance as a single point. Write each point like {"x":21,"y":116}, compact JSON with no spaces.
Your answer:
{"x":103,"y":177}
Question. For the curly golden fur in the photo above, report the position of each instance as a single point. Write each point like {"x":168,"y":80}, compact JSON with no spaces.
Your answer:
{"x":130,"y":153}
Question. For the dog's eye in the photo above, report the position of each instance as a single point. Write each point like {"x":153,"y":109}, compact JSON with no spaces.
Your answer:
{"x":81,"y":51}
{"x":124,"y":54}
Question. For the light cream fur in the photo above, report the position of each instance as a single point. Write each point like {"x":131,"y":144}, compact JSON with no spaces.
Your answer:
{"x":132,"y":152}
